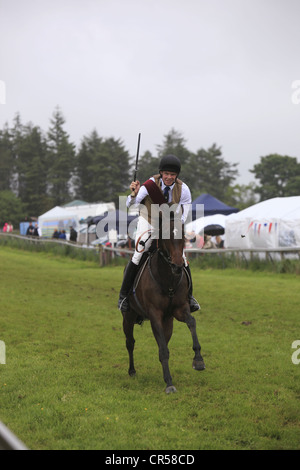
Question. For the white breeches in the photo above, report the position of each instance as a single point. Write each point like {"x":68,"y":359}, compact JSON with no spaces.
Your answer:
{"x":143,"y":234}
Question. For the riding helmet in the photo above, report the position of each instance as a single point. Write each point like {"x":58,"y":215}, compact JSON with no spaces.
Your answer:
{"x":170,"y":163}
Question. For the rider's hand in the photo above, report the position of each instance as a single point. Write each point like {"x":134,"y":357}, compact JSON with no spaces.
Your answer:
{"x":135,"y":187}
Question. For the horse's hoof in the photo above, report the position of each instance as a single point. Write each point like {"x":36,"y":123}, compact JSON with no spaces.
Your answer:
{"x":171,"y":389}
{"x":132,"y":373}
{"x":198,"y":365}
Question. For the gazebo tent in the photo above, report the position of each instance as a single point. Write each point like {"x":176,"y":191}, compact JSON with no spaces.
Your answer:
{"x":71,"y":214}
{"x":85,"y":210}
{"x":212,"y":206}
{"x":274,"y":223}
{"x":57,"y":218}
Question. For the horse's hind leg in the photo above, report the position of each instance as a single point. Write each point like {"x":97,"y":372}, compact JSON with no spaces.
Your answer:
{"x":128,"y":326}
{"x":198,"y":362}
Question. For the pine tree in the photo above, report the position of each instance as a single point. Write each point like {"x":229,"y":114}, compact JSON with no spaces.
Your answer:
{"x":6,"y":159}
{"x":87,"y":167}
{"x":17,"y":136}
{"x":60,"y":160}
{"x":210,"y":173}
{"x":148,"y":166}
{"x":116,"y":169}
{"x":174,"y":143}
{"x":102,"y":169}
{"x":32,"y":171}
{"x":11,"y":209}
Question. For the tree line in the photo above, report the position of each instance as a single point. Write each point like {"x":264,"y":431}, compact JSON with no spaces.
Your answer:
{"x":42,"y":169}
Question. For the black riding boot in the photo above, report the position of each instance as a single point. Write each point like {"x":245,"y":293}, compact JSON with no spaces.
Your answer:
{"x":194,"y":306}
{"x":129,"y":276}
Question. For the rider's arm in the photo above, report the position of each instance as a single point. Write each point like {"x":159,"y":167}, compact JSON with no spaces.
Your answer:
{"x":185,"y":201}
{"x":138,"y":198}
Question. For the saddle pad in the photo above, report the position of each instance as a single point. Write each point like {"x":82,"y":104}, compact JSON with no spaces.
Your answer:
{"x":139,"y":275}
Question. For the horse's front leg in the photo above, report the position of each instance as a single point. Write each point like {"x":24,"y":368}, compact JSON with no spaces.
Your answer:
{"x":198,"y":362}
{"x":128,"y":326}
{"x":160,"y":337}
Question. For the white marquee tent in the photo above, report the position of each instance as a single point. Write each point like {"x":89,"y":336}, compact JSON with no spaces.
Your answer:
{"x":57,"y":218}
{"x":270,"y":224}
{"x":83,"y":211}
{"x":198,"y":225}
{"x":62,"y":218}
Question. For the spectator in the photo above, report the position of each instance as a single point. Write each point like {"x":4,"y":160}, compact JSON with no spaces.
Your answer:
{"x":208,"y":244}
{"x":194,"y":240}
{"x":73,"y":235}
{"x":9,"y":227}
{"x":219,"y":242}
{"x":56,"y":234}
{"x":30,"y":230}
{"x":36,"y":231}
{"x":62,"y":235}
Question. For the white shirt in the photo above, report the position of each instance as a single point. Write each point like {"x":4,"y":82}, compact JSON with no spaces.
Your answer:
{"x":185,"y":199}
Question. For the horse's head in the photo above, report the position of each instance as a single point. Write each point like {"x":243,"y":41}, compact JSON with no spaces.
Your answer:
{"x":171,"y":241}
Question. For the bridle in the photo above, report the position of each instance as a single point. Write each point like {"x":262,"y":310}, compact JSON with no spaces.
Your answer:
{"x":176,"y":270}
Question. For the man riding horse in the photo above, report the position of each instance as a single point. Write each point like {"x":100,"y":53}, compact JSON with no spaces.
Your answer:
{"x":164,"y":187}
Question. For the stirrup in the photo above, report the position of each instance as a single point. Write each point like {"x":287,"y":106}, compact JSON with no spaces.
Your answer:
{"x":123,"y":305}
{"x":194,"y":305}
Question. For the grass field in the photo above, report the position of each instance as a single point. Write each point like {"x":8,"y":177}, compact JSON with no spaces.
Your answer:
{"x":65,"y":383}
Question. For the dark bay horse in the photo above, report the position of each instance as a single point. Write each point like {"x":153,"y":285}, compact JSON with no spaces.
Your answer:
{"x":160,"y":294}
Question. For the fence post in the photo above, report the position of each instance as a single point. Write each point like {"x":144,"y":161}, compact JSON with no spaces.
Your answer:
{"x":101,"y":255}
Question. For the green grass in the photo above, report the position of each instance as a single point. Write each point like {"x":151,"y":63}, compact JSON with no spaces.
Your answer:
{"x":65,"y":383}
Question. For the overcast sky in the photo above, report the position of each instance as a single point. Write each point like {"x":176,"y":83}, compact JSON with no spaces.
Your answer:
{"x":218,"y":71}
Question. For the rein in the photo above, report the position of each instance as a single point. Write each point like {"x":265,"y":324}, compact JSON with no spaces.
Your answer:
{"x":171,"y":290}
{"x":142,"y":243}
